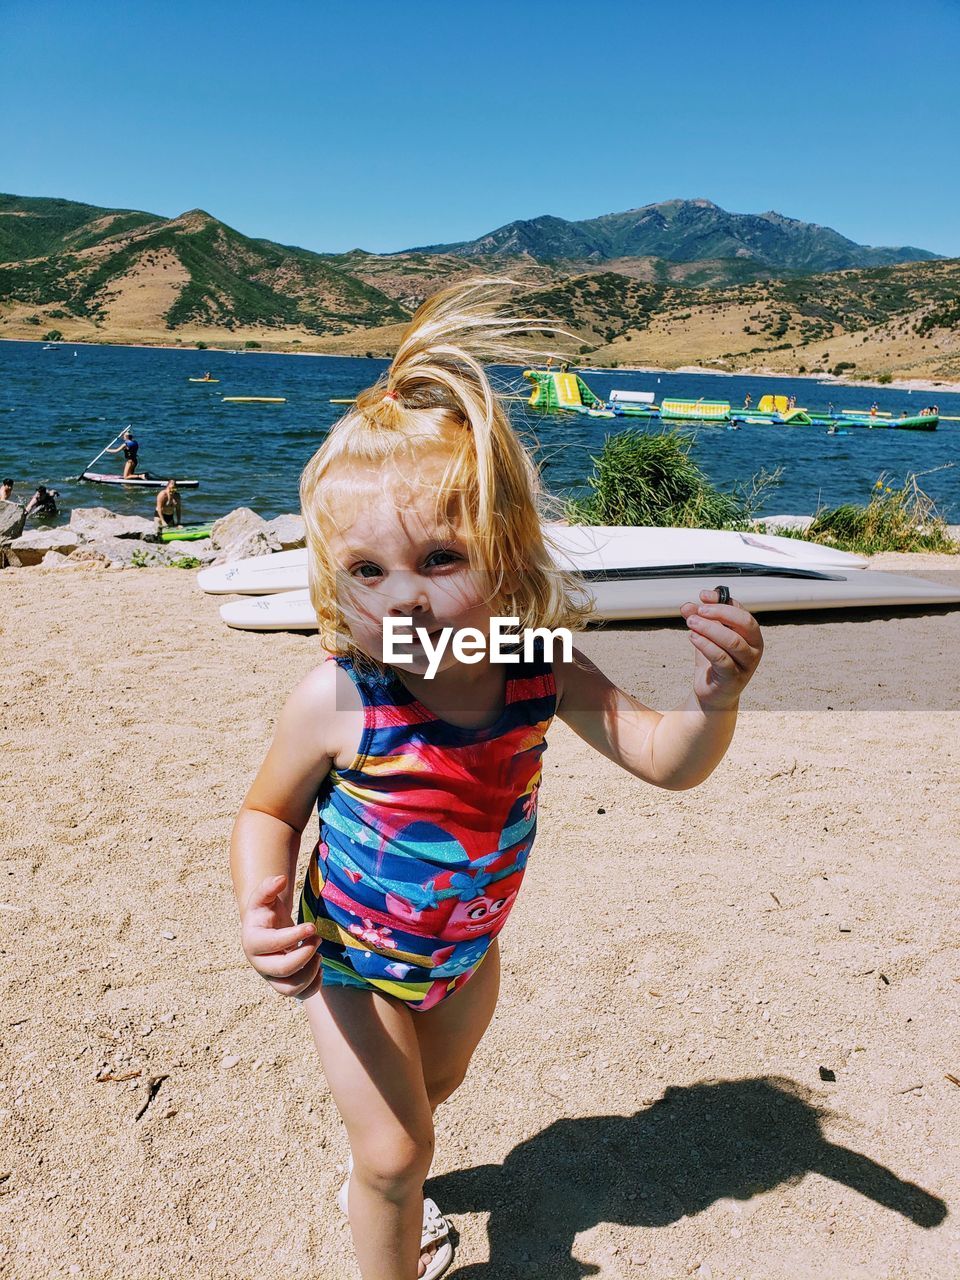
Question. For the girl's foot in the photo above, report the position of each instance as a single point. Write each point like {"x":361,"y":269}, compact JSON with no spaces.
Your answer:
{"x":436,"y":1251}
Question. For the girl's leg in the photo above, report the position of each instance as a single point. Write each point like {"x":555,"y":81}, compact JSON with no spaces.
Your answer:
{"x":449,"y":1033}
{"x":371,"y":1059}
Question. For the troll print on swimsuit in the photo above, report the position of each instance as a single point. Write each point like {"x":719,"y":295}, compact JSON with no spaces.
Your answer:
{"x":470,"y":914}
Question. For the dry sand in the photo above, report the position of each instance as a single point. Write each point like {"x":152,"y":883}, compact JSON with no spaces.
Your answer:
{"x":648,"y":1101}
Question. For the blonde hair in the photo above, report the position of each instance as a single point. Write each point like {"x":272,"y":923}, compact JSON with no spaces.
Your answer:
{"x":436,"y":397}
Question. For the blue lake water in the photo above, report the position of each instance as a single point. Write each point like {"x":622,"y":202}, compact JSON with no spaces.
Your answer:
{"x":60,"y":407}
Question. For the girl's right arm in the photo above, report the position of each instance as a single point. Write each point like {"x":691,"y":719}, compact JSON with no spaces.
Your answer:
{"x":266,"y":834}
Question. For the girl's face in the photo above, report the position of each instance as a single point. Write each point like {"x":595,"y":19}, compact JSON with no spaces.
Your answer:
{"x":397,"y":558}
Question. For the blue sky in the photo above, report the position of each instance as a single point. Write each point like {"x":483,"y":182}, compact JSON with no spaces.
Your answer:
{"x":387,"y":125}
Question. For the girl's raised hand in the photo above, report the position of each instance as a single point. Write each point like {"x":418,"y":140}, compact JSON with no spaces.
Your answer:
{"x":729,"y":646}
{"x":282,"y":952}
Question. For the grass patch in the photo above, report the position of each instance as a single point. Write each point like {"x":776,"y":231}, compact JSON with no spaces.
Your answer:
{"x":904,"y":519}
{"x":645,"y":479}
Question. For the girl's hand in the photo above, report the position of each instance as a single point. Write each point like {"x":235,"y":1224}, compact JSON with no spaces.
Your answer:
{"x":729,"y":646}
{"x":280,"y":951}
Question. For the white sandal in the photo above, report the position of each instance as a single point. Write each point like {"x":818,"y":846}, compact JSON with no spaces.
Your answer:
{"x":436,"y":1230}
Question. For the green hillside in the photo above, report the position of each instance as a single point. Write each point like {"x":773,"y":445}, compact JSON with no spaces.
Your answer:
{"x":229,"y":280}
{"x":33,"y":227}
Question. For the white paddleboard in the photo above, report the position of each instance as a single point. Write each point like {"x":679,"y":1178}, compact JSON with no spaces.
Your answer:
{"x":660,"y":596}
{"x":589,"y":547}
{"x":259,"y":575}
{"x":581,"y":547}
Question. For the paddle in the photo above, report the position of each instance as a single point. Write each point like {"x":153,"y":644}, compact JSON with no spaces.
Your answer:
{"x":98,"y":457}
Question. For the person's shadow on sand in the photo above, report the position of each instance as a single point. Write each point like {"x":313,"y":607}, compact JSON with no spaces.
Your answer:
{"x":732,"y":1138}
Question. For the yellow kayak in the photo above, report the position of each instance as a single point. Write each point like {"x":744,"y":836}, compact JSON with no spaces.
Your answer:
{"x":254,"y":400}
{"x":203,"y":379}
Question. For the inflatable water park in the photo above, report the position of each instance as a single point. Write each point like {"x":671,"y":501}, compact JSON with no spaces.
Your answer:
{"x":564,"y":391}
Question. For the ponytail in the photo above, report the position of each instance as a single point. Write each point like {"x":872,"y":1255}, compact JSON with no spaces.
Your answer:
{"x":436,"y":396}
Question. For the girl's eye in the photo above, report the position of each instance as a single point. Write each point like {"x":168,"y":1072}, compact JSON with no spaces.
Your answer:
{"x":367,"y":571}
{"x":440,"y":558}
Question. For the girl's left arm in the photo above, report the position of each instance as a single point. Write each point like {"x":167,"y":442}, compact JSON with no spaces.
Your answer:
{"x":680,"y":748}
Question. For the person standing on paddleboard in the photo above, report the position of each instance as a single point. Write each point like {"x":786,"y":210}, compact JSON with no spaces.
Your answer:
{"x":129,"y":447}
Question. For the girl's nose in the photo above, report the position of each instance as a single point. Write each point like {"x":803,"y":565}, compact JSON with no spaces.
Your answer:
{"x":408,"y":596}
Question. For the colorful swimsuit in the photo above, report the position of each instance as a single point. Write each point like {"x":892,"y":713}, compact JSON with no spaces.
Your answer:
{"x":424,"y":839}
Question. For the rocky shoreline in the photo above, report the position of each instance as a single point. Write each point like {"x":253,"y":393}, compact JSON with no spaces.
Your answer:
{"x":97,"y":536}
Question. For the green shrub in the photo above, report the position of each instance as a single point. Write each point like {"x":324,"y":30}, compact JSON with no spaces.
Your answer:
{"x":884,"y":379}
{"x":201,"y":346}
{"x":184,"y":562}
{"x":53,"y":335}
{"x":904,"y":519}
{"x":251,"y":345}
{"x":650,"y":479}
{"x":841,"y":367}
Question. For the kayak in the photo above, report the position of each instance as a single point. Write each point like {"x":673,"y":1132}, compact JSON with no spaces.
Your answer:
{"x":210,"y":380}
{"x":582,"y":548}
{"x":254,"y":400}
{"x":185,"y":532}
{"x":658,"y":592}
{"x":144,"y":481}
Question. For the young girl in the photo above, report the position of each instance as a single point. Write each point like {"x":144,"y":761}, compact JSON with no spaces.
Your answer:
{"x":422,"y":504}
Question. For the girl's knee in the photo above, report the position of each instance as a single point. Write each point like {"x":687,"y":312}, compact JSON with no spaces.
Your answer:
{"x":394,"y":1164}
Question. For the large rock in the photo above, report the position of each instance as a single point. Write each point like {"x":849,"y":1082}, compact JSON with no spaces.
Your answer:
{"x":30,"y":548}
{"x":290,"y":531}
{"x":93,"y":524}
{"x":12,"y":517}
{"x":200,"y":549}
{"x":240,"y":534}
{"x":123,"y":553}
{"x":55,"y":560}
{"x":773,"y":524}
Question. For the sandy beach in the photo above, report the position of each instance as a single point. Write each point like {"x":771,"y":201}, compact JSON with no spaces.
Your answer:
{"x":728,"y":1015}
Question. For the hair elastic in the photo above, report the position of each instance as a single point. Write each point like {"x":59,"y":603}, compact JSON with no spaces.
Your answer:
{"x":390,"y":395}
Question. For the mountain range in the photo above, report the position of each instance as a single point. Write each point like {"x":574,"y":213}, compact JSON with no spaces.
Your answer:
{"x":678,"y":282}
{"x":683,"y":231}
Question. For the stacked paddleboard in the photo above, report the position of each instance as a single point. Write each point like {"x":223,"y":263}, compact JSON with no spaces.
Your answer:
{"x":629,"y":572}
